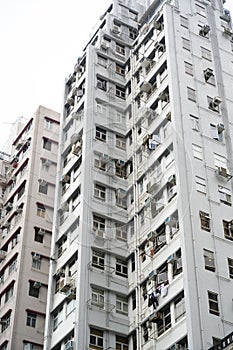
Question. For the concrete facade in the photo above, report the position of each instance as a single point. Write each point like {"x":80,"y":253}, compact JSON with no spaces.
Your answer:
{"x":142,"y":242}
{"x":26,"y":227}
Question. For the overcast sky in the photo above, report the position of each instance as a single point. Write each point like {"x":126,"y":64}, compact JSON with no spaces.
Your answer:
{"x":40,"y":43}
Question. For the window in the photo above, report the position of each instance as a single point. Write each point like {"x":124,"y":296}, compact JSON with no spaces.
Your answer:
{"x":9,"y":293}
{"x":100,"y":162}
{"x":120,"y":92}
{"x":120,"y":69}
{"x":12,"y":267}
{"x":101,"y":109}
{"x":120,"y":142}
{"x":200,"y":10}
{"x":213,"y":303}
{"x":164,"y":320}
{"x":214,"y":104}
{"x":206,"y":54}
{"x":36,"y":263}
{"x":100,"y":192}
{"x":179,"y":304}
{"x":120,"y":49}
{"x":39,"y":235}
{"x":194,"y":122}
{"x":216,"y":132}
{"x":224,"y":195}
{"x":5,"y":346}
{"x":209,"y":260}
{"x":102,"y":61}
{"x":47,"y":144}
{"x":41,"y":210}
{"x":209,"y":76}
{"x":101,"y":84}
{"x":100,"y":134}
{"x":228,"y":229}
{"x":48,"y":124}
{"x":98,"y":225}
{"x":132,"y":33}
{"x":121,"y":305}
{"x":205,"y":221}
{"x":197,"y":151}
{"x":133,"y":15}
{"x":220,"y":161}
{"x":230,"y":267}
{"x":121,"y":232}
{"x":145,"y":333}
{"x":31,"y":319}
{"x":5,"y":321}
{"x":192,"y":96}
{"x":134,"y":300}
{"x":98,"y":259}
{"x":97,"y":297}
{"x":200,"y":184}
{"x":43,"y":186}
{"x":121,"y":268}
{"x":188,"y":68}
{"x":121,"y":343}
{"x":184,"y":22}
{"x":57,"y":318}
{"x":186,"y":44}
{"x":34,"y":289}
{"x":45,"y":164}
{"x":70,"y":306}
{"x":96,"y":338}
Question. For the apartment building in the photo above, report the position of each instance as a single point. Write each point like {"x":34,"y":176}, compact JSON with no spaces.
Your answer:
{"x":27,"y":185}
{"x":142,"y":252}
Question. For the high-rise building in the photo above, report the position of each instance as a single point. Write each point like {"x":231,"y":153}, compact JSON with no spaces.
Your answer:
{"x":27,"y":186}
{"x":142,"y":252}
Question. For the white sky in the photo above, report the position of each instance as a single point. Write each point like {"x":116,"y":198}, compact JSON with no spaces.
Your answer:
{"x":41,"y":41}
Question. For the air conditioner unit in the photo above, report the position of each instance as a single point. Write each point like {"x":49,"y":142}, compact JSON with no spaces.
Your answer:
{"x":145,"y":87}
{"x":160,"y":47}
{"x":64,"y":284}
{"x":223,"y":172}
{"x":37,"y":284}
{"x":36,"y":256}
{"x":162,"y":277}
{"x":154,"y":142}
{"x":116,"y":29}
{"x":69,"y":102}
{"x":204,"y":30}
{"x":227,"y":31}
{"x":170,"y":221}
{"x":179,"y":263}
{"x":172,"y":258}
{"x":99,"y":233}
{"x":2,"y":255}
{"x":69,"y":345}
{"x":151,"y":236}
{"x":19,"y":210}
{"x":105,"y":157}
{"x":41,"y":232}
{"x":74,"y":138}
{"x":64,"y":207}
{"x":80,"y":92}
{"x":9,"y":206}
{"x":65,"y":178}
{"x":172,"y":179}
{"x":77,"y":115}
{"x":220,"y":128}
{"x":215,"y":102}
{"x":145,"y":62}
{"x":152,"y":274}
{"x":7,"y":224}
{"x":120,"y":162}
{"x":76,"y":148}
{"x":104,"y":44}
{"x":163,"y":96}
{"x":158,"y":25}
{"x":74,"y":91}
{"x":71,"y":293}
{"x":208,"y":73}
